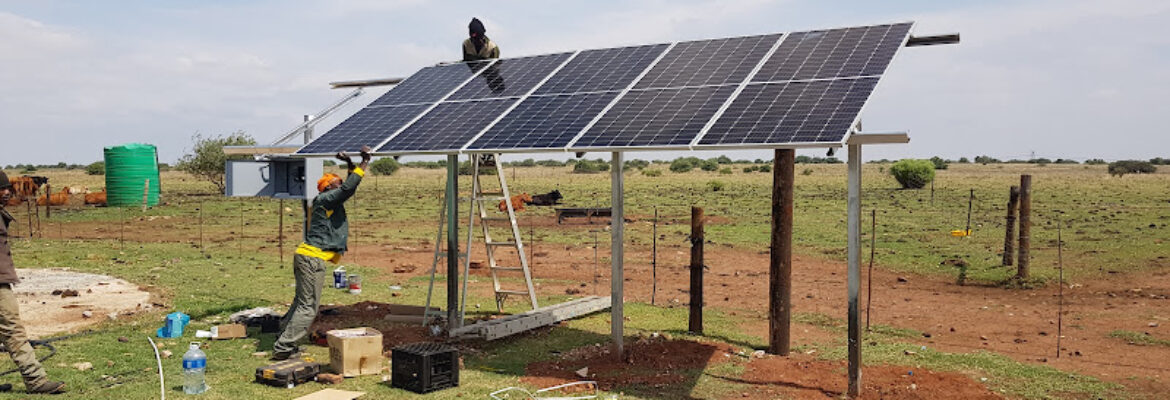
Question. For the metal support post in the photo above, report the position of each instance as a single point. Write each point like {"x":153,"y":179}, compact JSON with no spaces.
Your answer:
{"x":617,"y":225}
{"x":452,"y":205}
{"x":854,"y":229}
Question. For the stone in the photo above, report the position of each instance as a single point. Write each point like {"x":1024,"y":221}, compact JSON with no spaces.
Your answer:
{"x":83,"y":366}
{"x":87,"y":314}
{"x":583,"y":372}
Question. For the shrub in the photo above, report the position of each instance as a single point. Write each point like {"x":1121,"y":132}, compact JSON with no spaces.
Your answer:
{"x":1065,"y":161}
{"x":750,"y":169}
{"x":725,"y":171}
{"x":639,"y":164}
{"x":550,"y":163}
{"x":986,"y":160}
{"x":1160,"y":161}
{"x":29,"y":168}
{"x":684,"y":164}
{"x":385,"y":166}
{"x":806,"y":172}
{"x":465,"y":168}
{"x":709,"y":165}
{"x":590,"y":167}
{"x":1095,"y":161}
{"x":652,"y":172}
{"x":1120,"y":168}
{"x":765,"y":168}
{"x":964,"y":160}
{"x":913,"y":174}
{"x":97,"y":168}
{"x":716,"y":186}
{"x":722,"y":160}
{"x":938,"y":162}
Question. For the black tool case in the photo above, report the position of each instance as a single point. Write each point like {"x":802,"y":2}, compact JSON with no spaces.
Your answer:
{"x":288,"y":373}
{"x":424,"y":367}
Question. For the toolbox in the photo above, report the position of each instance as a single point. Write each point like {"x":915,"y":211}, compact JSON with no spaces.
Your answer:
{"x":424,"y":367}
{"x":288,"y":373}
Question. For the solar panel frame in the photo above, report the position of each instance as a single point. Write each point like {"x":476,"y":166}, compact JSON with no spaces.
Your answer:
{"x":660,"y":118}
{"x":599,"y":70}
{"x":464,"y":116}
{"x":407,"y":87}
{"x":615,"y":100}
{"x":528,"y":71}
{"x":719,"y":61}
{"x":366,"y":119}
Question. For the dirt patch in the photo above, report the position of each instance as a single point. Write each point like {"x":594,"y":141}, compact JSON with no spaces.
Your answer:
{"x":803,"y":377}
{"x":653,"y":362}
{"x":370,"y":314}
{"x":102,"y":297}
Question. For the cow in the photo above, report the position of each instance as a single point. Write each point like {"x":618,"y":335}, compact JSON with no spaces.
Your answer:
{"x":96,"y":198}
{"x":55,"y":199}
{"x":24,"y":187}
{"x":548,"y":199}
{"x":518,"y":202}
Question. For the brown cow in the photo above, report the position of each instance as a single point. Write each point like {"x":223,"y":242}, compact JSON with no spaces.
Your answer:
{"x":24,"y":187}
{"x":96,"y":198}
{"x":518,"y":202}
{"x":55,"y":199}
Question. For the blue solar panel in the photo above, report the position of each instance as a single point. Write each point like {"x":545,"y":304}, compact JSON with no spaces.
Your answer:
{"x":708,"y":62}
{"x":656,"y":117}
{"x":429,"y":84}
{"x":544,"y":121}
{"x":368,"y":127}
{"x":602,"y":69}
{"x":510,"y":77}
{"x":837,"y":53}
{"x":791,"y":112}
{"x":448,"y":126}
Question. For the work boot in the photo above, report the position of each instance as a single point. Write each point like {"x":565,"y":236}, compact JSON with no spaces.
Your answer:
{"x":49,"y":387}
{"x":281,"y":356}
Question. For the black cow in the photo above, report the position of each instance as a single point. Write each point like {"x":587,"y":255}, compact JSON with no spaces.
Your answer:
{"x":548,"y":199}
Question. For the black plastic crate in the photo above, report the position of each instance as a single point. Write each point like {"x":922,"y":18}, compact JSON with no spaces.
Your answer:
{"x":424,"y":367}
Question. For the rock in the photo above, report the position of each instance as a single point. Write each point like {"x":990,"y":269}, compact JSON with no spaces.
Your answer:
{"x":166,"y":354}
{"x":109,"y":363}
{"x":395,"y":294}
{"x":83,"y":366}
{"x":123,"y":339}
{"x":982,"y":337}
{"x":583,"y":372}
{"x":405,"y":268}
{"x":1153,"y":325}
{"x":572,"y":291}
{"x":112,"y":316}
{"x":87,"y":314}
{"x":926,"y":334}
{"x":758,"y":354}
{"x":909,"y":353}
{"x":69,"y":293}
{"x":331,"y":379}
{"x":902,"y":279}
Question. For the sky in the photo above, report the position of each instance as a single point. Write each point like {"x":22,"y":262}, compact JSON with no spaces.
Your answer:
{"x":1057,"y":79}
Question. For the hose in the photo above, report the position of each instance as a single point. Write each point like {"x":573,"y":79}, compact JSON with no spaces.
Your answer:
{"x":44,"y":343}
{"x":161,"y":386}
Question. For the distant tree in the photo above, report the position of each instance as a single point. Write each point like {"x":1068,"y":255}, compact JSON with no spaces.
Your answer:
{"x":97,"y":168}
{"x":765,"y":168}
{"x":1120,"y":168}
{"x":1041,"y":161}
{"x":964,"y":160}
{"x":652,"y":172}
{"x":635,"y":164}
{"x":802,"y":159}
{"x":590,"y":167}
{"x":913,"y":174}
{"x":1095,"y":161}
{"x":385,"y":166}
{"x":938,"y":162}
{"x":709,"y":165}
{"x":550,"y":163}
{"x":1065,"y":161}
{"x":1160,"y":161}
{"x":723,"y":160}
{"x":207,"y":159}
{"x":684,"y":164}
{"x":986,"y":160}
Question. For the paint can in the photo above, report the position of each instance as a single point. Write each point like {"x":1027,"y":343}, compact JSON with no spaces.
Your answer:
{"x":355,"y":284}
{"x":339,"y":281}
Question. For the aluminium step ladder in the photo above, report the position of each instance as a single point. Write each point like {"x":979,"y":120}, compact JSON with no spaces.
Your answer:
{"x":481,"y":201}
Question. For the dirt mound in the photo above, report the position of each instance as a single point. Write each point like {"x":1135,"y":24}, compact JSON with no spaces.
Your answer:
{"x":101,"y":297}
{"x":803,"y":377}
{"x":654,"y":362}
{"x":370,"y":314}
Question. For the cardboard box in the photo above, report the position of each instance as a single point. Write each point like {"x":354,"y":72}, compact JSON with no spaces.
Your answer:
{"x":354,"y":352}
{"x":229,"y":331}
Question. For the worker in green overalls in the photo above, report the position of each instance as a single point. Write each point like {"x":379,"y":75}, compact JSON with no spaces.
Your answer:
{"x":324,"y":241}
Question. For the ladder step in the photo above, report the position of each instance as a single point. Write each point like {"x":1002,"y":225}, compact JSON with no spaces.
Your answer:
{"x":501,"y":219}
{"x":501,"y":243}
{"x":508,"y":269}
{"x":516,"y":292}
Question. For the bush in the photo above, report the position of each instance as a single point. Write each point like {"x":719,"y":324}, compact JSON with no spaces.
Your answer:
{"x":1065,"y":161}
{"x":385,"y":166}
{"x":1160,"y":161}
{"x":938,"y":162}
{"x":550,"y":163}
{"x":1120,"y":168}
{"x":465,"y":168}
{"x":964,"y":160}
{"x":986,"y":160}
{"x":765,"y":168}
{"x":716,"y":186}
{"x":709,"y":165}
{"x":97,"y":168}
{"x":913,"y":174}
{"x":29,"y":168}
{"x":638,"y":164}
{"x":1095,"y":161}
{"x":725,"y":171}
{"x":684,"y":164}
{"x":207,"y":160}
{"x":806,"y":172}
{"x":750,"y":169}
{"x":652,"y":172}
{"x":590,"y":167}
{"x":723,"y":160}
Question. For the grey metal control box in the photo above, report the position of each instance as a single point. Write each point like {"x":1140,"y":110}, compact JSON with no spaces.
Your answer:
{"x":279,"y":178}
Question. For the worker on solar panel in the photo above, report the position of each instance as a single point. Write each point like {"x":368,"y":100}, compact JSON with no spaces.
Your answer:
{"x":325,"y":241}
{"x":478,"y":46}
{"x":11,"y":330}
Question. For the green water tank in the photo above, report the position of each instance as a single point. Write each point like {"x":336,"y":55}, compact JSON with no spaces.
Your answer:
{"x":129,"y":169}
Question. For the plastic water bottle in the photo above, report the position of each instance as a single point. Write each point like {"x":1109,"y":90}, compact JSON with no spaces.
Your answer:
{"x":194,"y":366}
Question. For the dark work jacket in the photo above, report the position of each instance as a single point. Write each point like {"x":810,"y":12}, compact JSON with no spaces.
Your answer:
{"x":328,"y":226}
{"x":7,"y":268}
{"x":488,"y":51}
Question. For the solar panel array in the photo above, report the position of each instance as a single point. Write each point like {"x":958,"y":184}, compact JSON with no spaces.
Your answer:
{"x":778,"y":90}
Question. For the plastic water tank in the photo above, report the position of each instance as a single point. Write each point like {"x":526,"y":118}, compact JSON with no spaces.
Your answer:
{"x":129,"y":169}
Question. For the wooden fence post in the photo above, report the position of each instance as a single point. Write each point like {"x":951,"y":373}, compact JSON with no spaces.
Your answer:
{"x":695,"y":323}
{"x":1025,"y":226}
{"x":1010,"y":231}
{"x":780,"y":258}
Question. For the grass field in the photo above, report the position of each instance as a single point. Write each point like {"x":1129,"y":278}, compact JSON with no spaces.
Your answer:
{"x":1111,"y":226}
